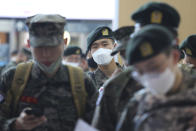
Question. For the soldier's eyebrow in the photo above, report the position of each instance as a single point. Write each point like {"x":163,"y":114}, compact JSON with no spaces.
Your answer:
{"x":104,"y":41}
{"x":94,"y":44}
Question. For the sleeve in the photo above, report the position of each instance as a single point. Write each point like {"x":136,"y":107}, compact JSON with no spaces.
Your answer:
{"x":6,"y":115}
{"x":105,"y":116}
{"x":92,"y":94}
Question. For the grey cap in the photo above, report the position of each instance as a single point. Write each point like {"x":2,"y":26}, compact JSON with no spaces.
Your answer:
{"x":45,"y":30}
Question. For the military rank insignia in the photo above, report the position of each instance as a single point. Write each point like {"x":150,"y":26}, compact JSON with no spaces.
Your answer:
{"x":156,"y":17}
{"x":146,"y":49}
{"x":188,"y":51}
{"x":105,"y":32}
{"x":77,"y":51}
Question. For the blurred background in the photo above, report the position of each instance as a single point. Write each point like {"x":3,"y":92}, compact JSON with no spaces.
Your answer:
{"x":82,"y":17}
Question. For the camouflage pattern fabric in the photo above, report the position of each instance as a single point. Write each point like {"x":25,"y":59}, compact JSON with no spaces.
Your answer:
{"x":117,"y":92}
{"x":99,"y":77}
{"x":187,"y":67}
{"x":53,"y":95}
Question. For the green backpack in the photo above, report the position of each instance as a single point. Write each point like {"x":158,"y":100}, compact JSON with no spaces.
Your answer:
{"x":21,"y":77}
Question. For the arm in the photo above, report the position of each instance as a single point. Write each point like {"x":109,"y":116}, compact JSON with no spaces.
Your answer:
{"x":92,"y":94}
{"x":6,"y":116}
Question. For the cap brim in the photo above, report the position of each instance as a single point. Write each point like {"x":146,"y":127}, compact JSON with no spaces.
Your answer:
{"x":45,"y":41}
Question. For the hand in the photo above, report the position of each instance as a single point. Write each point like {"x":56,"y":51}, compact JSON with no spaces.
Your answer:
{"x":28,"y":122}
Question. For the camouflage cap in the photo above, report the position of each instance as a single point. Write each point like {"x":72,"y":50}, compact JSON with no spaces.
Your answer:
{"x":97,"y":34}
{"x":122,"y":35}
{"x":157,"y":13}
{"x":148,"y":42}
{"x":73,"y":50}
{"x":45,"y":30}
{"x":189,"y":46}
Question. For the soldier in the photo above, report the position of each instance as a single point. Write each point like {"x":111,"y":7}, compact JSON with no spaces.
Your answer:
{"x":118,"y":90}
{"x":122,"y":35}
{"x":189,"y":50}
{"x":100,"y":44}
{"x":44,"y":95}
{"x":72,"y":55}
{"x":167,"y":102}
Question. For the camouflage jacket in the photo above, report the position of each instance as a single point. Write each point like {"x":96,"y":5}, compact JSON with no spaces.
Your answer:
{"x":99,"y":77}
{"x":117,"y":92}
{"x":53,"y":95}
{"x":187,"y":67}
{"x":174,"y":112}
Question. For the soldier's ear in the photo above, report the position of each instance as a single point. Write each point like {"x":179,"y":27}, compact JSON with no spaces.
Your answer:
{"x":65,"y":41}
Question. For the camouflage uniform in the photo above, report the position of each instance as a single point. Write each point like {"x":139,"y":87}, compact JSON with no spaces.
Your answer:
{"x":187,"y":67}
{"x":117,"y":92}
{"x":99,"y":77}
{"x":54,"y":96}
{"x":174,"y":112}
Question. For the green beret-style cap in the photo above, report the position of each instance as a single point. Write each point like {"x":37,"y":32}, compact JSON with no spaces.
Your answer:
{"x":122,"y":35}
{"x":73,"y":50}
{"x":45,"y":30}
{"x":97,"y":34}
{"x":157,"y":13}
{"x":148,"y":42}
{"x":189,"y":45}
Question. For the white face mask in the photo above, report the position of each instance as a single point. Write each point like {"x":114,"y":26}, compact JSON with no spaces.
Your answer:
{"x":102,"y":56}
{"x":70,"y":63}
{"x":158,"y":84}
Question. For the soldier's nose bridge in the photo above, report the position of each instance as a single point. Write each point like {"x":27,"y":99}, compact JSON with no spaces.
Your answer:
{"x":45,"y":51}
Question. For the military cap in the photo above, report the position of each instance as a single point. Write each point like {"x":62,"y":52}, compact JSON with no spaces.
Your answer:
{"x":73,"y":50}
{"x":157,"y":13}
{"x":45,"y":30}
{"x":189,"y":45}
{"x":148,"y":42}
{"x":122,"y":36}
{"x":97,"y":34}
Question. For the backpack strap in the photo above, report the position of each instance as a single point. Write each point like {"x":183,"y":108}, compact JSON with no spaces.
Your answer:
{"x":78,"y":88}
{"x":19,"y":82}
{"x":21,"y":77}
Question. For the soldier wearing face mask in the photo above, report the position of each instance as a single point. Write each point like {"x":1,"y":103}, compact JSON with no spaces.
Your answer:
{"x":72,"y":56}
{"x":100,"y":44}
{"x":168,"y":101}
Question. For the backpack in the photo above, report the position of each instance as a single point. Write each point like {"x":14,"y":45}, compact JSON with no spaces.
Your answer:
{"x":21,"y":77}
